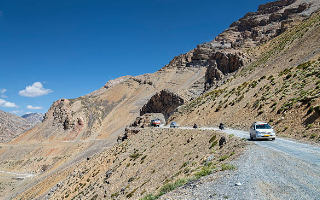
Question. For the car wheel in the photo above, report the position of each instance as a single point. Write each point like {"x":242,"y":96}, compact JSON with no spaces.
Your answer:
{"x":273,"y":138}
{"x":251,"y":138}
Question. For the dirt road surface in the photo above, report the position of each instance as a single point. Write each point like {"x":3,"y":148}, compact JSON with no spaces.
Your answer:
{"x":280,"y":169}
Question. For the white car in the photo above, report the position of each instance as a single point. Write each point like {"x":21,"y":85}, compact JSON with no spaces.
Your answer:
{"x":261,"y":130}
{"x":174,"y":125}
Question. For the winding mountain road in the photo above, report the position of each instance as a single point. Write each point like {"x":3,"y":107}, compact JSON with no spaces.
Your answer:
{"x":279,"y":169}
{"x":300,"y":150}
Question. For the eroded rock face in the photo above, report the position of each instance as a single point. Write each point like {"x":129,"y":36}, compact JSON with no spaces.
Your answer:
{"x":222,"y":55}
{"x":164,"y":102}
{"x":60,"y":114}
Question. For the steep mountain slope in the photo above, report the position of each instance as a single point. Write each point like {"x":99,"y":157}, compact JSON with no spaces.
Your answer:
{"x":237,"y":78}
{"x":11,"y":126}
{"x":141,"y":165}
{"x":281,"y":87}
{"x":33,"y":118}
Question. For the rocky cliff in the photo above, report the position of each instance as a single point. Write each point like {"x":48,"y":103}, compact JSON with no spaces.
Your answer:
{"x":225,"y":54}
{"x":164,"y":102}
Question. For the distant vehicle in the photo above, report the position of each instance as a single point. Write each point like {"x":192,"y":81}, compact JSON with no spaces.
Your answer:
{"x":262,"y":130}
{"x":155,"y":122}
{"x":174,"y":125}
{"x":221,"y":126}
{"x":195,"y":126}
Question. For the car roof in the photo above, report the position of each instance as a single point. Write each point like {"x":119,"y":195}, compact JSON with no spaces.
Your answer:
{"x":260,"y":123}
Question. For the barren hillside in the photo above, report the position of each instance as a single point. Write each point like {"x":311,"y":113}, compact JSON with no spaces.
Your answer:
{"x":265,"y":66}
{"x":144,"y":164}
{"x":11,"y":126}
{"x":281,"y":87}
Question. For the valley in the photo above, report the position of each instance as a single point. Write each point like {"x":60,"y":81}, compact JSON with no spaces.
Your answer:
{"x":264,"y":67}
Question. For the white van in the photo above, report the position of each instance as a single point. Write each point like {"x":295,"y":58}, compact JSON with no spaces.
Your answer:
{"x":261,"y":130}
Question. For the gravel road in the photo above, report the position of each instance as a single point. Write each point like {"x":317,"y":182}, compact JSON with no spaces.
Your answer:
{"x":280,"y":169}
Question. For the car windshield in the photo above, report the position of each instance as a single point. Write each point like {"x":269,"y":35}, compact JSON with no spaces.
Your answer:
{"x":263,"y":126}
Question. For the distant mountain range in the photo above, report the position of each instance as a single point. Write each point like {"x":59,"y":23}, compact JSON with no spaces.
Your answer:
{"x":33,"y":118}
{"x":12,"y":126}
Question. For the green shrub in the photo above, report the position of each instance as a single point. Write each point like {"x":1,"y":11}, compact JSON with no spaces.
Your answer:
{"x":310,"y":110}
{"x":184,"y":165}
{"x":262,"y":77}
{"x":280,"y":110}
{"x":304,"y":65}
{"x":94,"y":197}
{"x":285,"y":72}
{"x":288,"y":76}
{"x":115,"y":195}
{"x":213,"y":144}
{"x":313,"y":136}
{"x":317,"y":109}
{"x":131,"y":193}
{"x":224,"y":158}
{"x":212,"y":138}
{"x":135,"y":156}
{"x":253,"y":84}
{"x":309,"y":126}
{"x":227,"y":167}
{"x":270,"y":77}
{"x":171,"y":186}
{"x":205,"y":171}
{"x":149,"y":197}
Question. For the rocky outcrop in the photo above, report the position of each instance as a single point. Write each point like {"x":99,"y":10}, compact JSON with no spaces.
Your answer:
{"x":222,"y":55}
{"x":60,"y":114}
{"x":116,"y":81}
{"x":274,"y":6}
{"x":164,"y":102}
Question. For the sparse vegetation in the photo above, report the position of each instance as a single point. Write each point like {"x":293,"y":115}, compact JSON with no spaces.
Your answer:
{"x":171,"y":186}
{"x":309,"y":126}
{"x":206,"y":170}
{"x":227,"y":167}
{"x":224,"y":158}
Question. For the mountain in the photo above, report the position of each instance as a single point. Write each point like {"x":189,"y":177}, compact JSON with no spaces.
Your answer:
{"x":33,"y":118}
{"x":11,"y":126}
{"x":265,"y":66}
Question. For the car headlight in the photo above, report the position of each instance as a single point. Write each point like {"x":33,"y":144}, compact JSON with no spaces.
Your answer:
{"x":257,"y":132}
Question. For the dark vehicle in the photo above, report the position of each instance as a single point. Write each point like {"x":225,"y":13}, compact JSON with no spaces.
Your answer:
{"x":174,"y":125}
{"x":221,"y":126}
{"x":195,"y":126}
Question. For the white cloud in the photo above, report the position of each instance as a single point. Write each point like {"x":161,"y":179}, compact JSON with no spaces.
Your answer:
{"x":16,"y":111}
{"x":34,"y":90}
{"x":4,"y":103}
{"x":34,"y":107}
{"x":2,"y":91}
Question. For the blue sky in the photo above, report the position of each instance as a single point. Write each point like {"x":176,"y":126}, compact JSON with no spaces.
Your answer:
{"x":57,"y":49}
